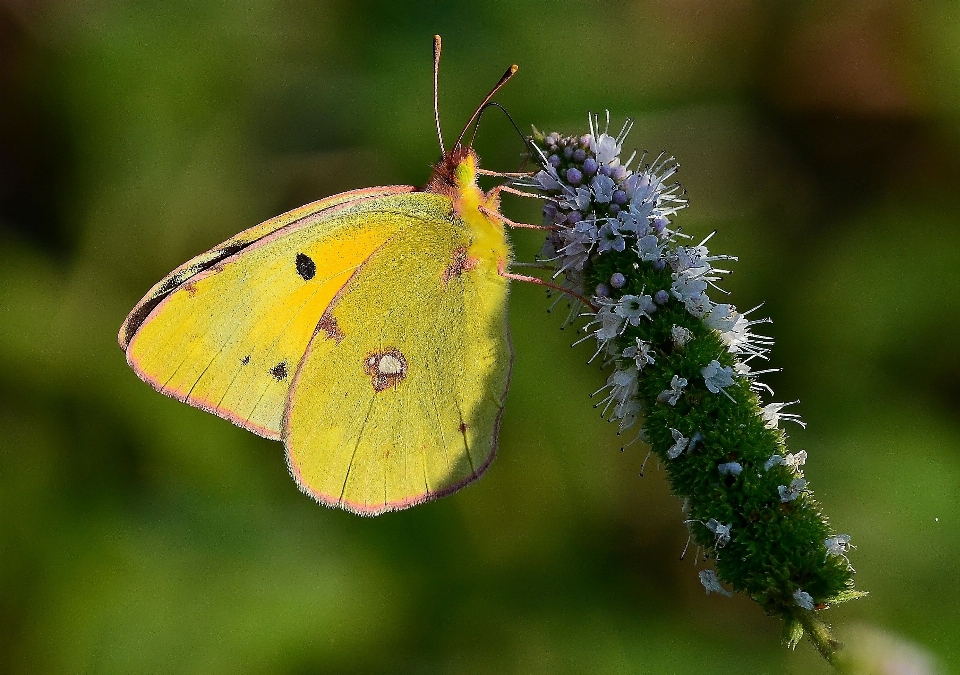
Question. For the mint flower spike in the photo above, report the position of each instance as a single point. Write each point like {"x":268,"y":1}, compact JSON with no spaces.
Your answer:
{"x":681,"y":372}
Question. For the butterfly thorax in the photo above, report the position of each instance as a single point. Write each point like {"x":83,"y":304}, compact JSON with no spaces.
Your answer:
{"x":455,"y":176}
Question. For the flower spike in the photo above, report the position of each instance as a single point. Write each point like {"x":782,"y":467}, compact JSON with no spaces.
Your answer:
{"x":682,"y":367}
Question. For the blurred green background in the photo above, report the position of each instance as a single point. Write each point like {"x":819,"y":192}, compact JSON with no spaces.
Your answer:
{"x":139,"y":535}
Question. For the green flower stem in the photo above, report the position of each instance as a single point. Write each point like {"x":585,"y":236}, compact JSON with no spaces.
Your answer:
{"x":821,"y":636}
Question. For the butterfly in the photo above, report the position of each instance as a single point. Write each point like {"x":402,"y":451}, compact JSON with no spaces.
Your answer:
{"x":367,"y":331}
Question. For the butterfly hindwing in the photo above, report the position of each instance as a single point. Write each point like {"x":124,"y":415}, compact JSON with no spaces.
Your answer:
{"x":399,"y":396}
{"x":227,"y":330}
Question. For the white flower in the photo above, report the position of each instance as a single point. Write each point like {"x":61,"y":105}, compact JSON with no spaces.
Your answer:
{"x":698,"y":305}
{"x":722,"y":318}
{"x":803,"y":599}
{"x":611,"y":324}
{"x":679,"y":444}
{"x":649,"y":248}
{"x":578,"y":199}
{"x":772,"y":415}
{"x":603,"y":187}
{"x":717,"y":377}
{"x":605,"y":148}
{"x":624,"y":384}
{"x":722,"y":531}
{"x":788,"y":494}
{"x":635,"y":307}
{"x":634,"y":219}
{"x":680,"y":335}
{"x":673,"y":394}
{"x":838,"y":545}
{"x":684,"y":287}
{"x":710,"y":582}
{"x":548,"y":180}
{"x":627,"y":412}
{"x":730,"y":469}
{"x":739,"y":337}
{"x":623,"y":388}
{"x":610,"y":237}
{"x":794,"y":461}
{"x":642,"y":354}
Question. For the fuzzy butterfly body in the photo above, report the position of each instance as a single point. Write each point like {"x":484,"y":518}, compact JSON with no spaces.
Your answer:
{"x":367,"y":331}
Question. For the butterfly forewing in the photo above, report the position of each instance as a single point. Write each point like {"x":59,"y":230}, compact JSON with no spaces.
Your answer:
{"x":227,"y":333}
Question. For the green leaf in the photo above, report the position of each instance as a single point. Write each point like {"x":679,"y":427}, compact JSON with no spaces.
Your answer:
{"x":846,"y":596}
{"x":792,"y":633}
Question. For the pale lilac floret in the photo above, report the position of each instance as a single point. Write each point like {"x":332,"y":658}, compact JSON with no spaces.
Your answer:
{"x":791,"y":460}
{"x":577,"y":198}
{"x":605,"y":148}
{"x":730,"y":469}
{"x":611,"y":323}
{"x":698,"y":305}
{"x":610,"y":237}
{"x":624,"y":384}
{"x":635,"y":307}
{"x":680,"y":335}
{"x":684,"y":287}
{"x":673,"y":394}
{"x":712,"y":585}
{"x":634,"y":220}
{"x":838,"y":545}
{"x":547,"y":181}
{"x":771,"y":415}
{"x":803,"y":599}
{"x":722,"y":318}
{"x":717,"y":377}
{"x":788,"y":494}
{"x":642,"y":353}
{"x":722,"y":531}
{"x":679,"y":444}
{"x":602,"y":187}
{"x":649,"y":248}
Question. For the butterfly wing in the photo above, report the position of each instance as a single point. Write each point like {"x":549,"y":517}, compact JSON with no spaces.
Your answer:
{"x":398,"y":398}
{"x":226,"y":331}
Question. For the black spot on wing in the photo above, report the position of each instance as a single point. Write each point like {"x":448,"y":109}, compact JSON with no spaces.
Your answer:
{"x":245,"y":360}
{"x":279,"y":371}
{"x":306,"y":268}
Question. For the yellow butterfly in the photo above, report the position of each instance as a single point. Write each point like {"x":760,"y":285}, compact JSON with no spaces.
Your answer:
{"x":367,"y":331}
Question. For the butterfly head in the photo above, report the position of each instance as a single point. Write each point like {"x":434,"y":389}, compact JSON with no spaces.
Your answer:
{"x":455,"y":173}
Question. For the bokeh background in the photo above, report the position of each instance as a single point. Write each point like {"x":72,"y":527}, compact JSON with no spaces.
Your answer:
{"x":138,"y":535}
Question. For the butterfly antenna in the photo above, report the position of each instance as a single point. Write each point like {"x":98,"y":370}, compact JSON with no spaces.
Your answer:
{"x":503,"y":80}
{"x":436,"y":74}
{"x":494,"y":104}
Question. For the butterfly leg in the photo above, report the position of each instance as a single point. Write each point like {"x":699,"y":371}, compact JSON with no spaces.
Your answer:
{"x":490,"y":213}
{"x":534,"y":280}
{"x":506,"y":174}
